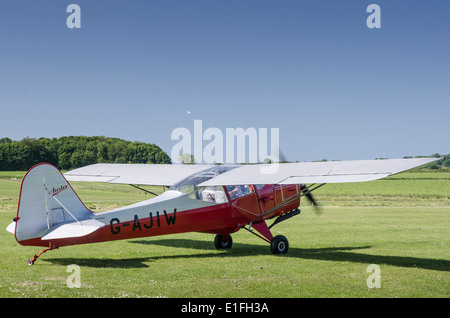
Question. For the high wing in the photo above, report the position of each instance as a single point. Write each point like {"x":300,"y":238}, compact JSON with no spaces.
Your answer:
{"x":141,"y":174}
{"x":316,"y":172}
{"x":286,"y":173}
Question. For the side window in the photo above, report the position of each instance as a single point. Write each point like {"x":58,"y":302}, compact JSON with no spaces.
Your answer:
{"x":213,"y":194}
{"x":236,"y":191}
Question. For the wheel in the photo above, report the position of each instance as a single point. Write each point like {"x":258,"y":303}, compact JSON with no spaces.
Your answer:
{"x":31,"y":261}
{"x":279,"y":245}
{"x":223,"y":242}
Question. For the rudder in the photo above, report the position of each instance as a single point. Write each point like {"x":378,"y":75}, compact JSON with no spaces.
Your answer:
{"x":46,"y":200}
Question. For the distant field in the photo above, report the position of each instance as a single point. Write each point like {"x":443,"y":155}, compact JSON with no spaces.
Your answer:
{"x":406,"y":189}
{"x":401,"y":224}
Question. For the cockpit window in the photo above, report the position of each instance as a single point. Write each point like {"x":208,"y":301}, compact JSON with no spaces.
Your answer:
{"x":213,"y":194}
{"x":237,"y":191}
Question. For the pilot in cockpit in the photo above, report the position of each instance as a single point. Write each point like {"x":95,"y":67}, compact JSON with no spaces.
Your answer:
{"x":235,"y":191}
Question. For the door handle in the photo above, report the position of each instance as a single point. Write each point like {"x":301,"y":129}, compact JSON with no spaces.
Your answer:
{"x":267,"y":198}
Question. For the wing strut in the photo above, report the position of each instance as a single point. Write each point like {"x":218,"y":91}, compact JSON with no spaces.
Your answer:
{"x":135,"y":186}
{"x":264,"y":238}
{"x":284,"y":217}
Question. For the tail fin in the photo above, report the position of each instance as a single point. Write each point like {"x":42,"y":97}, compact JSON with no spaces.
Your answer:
{"x":46,"y":202}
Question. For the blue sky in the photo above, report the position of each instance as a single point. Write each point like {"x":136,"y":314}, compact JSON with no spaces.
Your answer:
{"x":335,"y":88}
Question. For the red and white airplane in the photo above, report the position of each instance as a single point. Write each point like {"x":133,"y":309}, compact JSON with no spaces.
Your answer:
{"x":217,"y":199}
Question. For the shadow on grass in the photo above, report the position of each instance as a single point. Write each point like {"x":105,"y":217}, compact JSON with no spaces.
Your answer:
{"x":207,"y":250}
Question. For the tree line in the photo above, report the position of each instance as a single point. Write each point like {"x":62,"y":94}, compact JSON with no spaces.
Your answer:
{"x":443,"y":164}
{"x":76,"y":151}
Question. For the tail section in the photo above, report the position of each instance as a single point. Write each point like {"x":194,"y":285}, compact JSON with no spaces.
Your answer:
{"x":50,"y":209}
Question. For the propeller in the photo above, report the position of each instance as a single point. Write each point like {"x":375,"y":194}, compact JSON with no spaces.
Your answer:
{"x":310,"y":197}
{"x":306,"y":192}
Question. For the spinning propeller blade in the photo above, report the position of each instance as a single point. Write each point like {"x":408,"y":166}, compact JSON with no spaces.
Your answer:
{"x":308,"y":194}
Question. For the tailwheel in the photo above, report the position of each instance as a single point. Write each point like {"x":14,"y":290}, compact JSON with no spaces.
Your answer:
{"x":279,"y":245}
{"x":223,"y":242}
{"x":31,"y":261}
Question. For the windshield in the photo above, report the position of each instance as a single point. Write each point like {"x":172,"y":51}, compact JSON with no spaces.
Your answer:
{"x":190,"y":186}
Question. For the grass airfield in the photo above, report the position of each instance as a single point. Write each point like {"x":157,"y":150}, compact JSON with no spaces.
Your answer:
{"x":400,"y":223}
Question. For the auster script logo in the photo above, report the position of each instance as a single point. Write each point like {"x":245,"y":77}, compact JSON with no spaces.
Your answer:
{"x":55,"y":191}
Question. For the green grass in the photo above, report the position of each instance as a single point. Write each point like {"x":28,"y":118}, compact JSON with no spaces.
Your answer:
{"x":399,"y":223}
{"x":406,"y":189}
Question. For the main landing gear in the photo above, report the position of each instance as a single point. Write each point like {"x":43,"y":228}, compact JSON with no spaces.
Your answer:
{"x":223,"y":242}
{"x":278,"y":244}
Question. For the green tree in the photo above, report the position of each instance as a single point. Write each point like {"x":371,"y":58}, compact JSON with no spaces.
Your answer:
{"x":75,"y":151}
{"x":187,"y":159}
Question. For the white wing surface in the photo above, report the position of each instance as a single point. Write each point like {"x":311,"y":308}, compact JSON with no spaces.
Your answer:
{"x":316,"y":172}
{"x":286,"y":173}
{"x":142,"y":174}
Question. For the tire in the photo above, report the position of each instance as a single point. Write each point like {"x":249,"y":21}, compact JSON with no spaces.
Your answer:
{"x":221,"y":244}
{"x":279,"y":245}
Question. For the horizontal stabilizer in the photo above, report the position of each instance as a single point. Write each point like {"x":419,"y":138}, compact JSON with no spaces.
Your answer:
{"x":73,"y":229}
{"x":11,"y":228}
